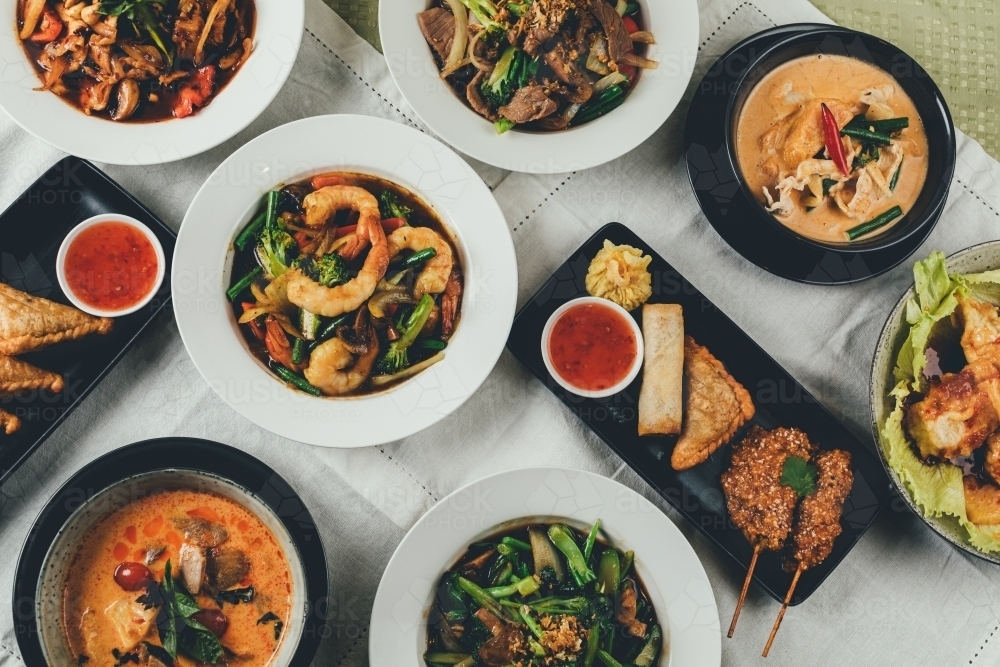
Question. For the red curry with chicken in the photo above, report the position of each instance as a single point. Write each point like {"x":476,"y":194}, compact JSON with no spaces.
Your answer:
{"x":136,"y":60}
{"x":178,"y":578}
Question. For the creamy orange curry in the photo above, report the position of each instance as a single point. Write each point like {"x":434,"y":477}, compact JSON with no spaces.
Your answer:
{"x":787,"y":147}
{"x":178,"y":578}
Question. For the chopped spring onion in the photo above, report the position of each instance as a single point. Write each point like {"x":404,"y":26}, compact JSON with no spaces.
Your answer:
{"x":609,"y":80}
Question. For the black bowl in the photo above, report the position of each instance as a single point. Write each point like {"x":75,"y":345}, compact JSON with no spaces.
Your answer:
{"x":917,"y":83}
{"x":164,"y":454}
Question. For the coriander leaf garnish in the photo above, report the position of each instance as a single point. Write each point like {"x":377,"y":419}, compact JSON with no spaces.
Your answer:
{"x":800,"y":475}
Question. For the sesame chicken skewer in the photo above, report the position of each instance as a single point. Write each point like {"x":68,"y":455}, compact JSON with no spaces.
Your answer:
{"x":759,"y":504}
{"x":818,"y":522}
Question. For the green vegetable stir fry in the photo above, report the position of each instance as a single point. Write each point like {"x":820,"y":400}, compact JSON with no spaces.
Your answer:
{"x":543,"y":595}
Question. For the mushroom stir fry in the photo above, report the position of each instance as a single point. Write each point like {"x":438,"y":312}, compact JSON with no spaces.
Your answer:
{"x":543,"y":595}
{"x":345,"y":284}
{"x":137,"y":60}
{"x":542,"y":64}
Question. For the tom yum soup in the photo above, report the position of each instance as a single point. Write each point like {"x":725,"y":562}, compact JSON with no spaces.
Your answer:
{"x":833,"y":147}
{"x":179,"y":578}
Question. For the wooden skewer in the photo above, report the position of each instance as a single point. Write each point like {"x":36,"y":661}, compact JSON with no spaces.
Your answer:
{"x":743,"y":593}
{"x":781,"y":614}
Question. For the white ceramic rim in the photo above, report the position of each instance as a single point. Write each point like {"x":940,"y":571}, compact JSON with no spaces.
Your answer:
{"x":656,"y":95}
{"x":277,"y":35}
{"x":227,"y":200}
{"x":210,"y":483}
{"x":161,"y":263}
{"x":667,"y":564}
{"x":547,"y":358}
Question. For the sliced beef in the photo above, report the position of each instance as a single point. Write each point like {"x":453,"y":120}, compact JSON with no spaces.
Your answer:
{"x":505,"y":647}
{"x":528,"y":104}
{"x":566,"y":71}
{"x":619,"y":42}
{"x":535,"y":39}
{"x":475,"y":97}
{"x":438,"y":26}
{"x":200,"y":532}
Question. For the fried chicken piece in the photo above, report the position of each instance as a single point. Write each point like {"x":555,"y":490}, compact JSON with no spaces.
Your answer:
{"x":992,"y":462}
{"x":759,"y":504}
{"x":9,"y":423}
{"x":980,"y":324}
{"x":799,"y":135}
{"x":953,"y":419}
{"x":982,"y":501}
{"x":17,"y":375}
{"x":715,"y":407}
{"x":817,"y":525}
{"x":30,"y":323}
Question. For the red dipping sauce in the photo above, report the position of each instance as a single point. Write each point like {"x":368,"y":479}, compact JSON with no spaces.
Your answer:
{"x":592,"y":347}
{"x":111,"y":266}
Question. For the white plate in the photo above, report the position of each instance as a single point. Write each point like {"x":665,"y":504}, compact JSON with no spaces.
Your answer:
{"x":674,"y":23}
{"x":223,"y":206}
{"x":674,"y":577}
{"x":276,"y":39}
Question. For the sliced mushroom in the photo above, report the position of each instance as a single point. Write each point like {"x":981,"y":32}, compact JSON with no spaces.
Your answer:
{"x":128,"y":99}
{"x":192,"y":562}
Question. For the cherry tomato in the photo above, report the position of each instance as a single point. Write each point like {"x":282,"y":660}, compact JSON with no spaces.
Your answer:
{"x":214,"y":620}
{"x":132,"y":576}
{"x":630,"y":24}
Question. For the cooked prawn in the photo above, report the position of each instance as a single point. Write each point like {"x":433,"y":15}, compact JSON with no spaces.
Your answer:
{"x":322,"y":204}
{"x":434,"y":276}
{"x":306,"y":293}
{"x":341,"y":365}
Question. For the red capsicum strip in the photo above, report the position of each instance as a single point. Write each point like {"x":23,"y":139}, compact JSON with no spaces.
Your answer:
{"x":831,"y":136}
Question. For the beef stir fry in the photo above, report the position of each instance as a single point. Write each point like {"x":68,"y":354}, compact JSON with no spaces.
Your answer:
{"x":137,"y":60}
{"x":345,"y":284}
{"x":539,"y":64}
{"x":543,"y":595}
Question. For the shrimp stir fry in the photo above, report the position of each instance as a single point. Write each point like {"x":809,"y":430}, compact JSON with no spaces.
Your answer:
{"x":345,"y":284}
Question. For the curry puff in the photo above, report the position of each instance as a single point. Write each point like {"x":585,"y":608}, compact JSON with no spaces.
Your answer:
{"x":30,"y":323}
{"x":715,"y":407}
{"x":17,"y":375}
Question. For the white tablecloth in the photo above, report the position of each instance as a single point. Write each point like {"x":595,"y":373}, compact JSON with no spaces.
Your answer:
{"x":902,"y":596}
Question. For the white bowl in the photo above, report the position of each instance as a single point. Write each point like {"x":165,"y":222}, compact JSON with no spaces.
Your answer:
{"x":547,"y":358}
{"x":276,"y":40}
{"x":203,"y":262}
{"x":161,"y":264}
{"x":48,"y":597}
{"x":673,"y":576}
{"x":674,"y":23}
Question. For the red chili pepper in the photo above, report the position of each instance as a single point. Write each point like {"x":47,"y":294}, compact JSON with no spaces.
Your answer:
{"x":831,"y":136}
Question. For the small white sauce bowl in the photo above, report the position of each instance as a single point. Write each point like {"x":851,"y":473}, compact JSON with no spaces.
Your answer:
{"x":639,"y":349}
{"x":161,"y":263}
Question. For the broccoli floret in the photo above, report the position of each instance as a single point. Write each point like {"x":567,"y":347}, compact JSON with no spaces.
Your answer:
{"x":485,"y":12}
{"x":276,"y":249}
{"x":396,"y":357}
{"x":329,"y":270}
{"x":503,"y":125}
{"x":499,"y":87}
{"x":389,"y":206}
{"x":518,"y":8}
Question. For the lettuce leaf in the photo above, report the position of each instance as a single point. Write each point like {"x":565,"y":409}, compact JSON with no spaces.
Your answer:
{"x":936,"y":489}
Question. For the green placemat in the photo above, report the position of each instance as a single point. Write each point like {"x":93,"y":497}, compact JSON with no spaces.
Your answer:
{"x":955,"y":40}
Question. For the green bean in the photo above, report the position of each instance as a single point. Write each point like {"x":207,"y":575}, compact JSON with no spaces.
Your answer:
{"x":895,"y":176}
{"x":419,"y":257}
{"x":298,"y":351}
{"x":431,"y":344}
{"x":866,"y":135}
{"x":887,"y":126}
{"x":243,"y":283}
{"x":250,"y":232}
{"x":297,"y":380}
{"x":327,"y":332}
{"x":878,"y":221}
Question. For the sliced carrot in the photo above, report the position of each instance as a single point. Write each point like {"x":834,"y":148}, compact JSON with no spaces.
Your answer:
{"x":324,"y":180}
{"x":120,"y":551}
{"x":152,"y":528}
{"x":206,"y":513}
{"x":173,"y":539}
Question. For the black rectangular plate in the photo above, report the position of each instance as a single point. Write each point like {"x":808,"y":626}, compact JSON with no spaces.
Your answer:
{"x":779,"y":399}
{"x":31,"y":230}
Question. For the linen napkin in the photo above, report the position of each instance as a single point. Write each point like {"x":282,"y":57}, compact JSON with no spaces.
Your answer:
{"x":902,"y":595}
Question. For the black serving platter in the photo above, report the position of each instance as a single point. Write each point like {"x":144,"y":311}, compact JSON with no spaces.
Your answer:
{"x":742,"y":222}
{"x":779,"y":399}
{"x":31,"y":230}
{"x":166,"y":454}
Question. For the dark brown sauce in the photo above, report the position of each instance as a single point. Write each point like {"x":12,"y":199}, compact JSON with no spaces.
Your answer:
{"x":149,"y":111}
